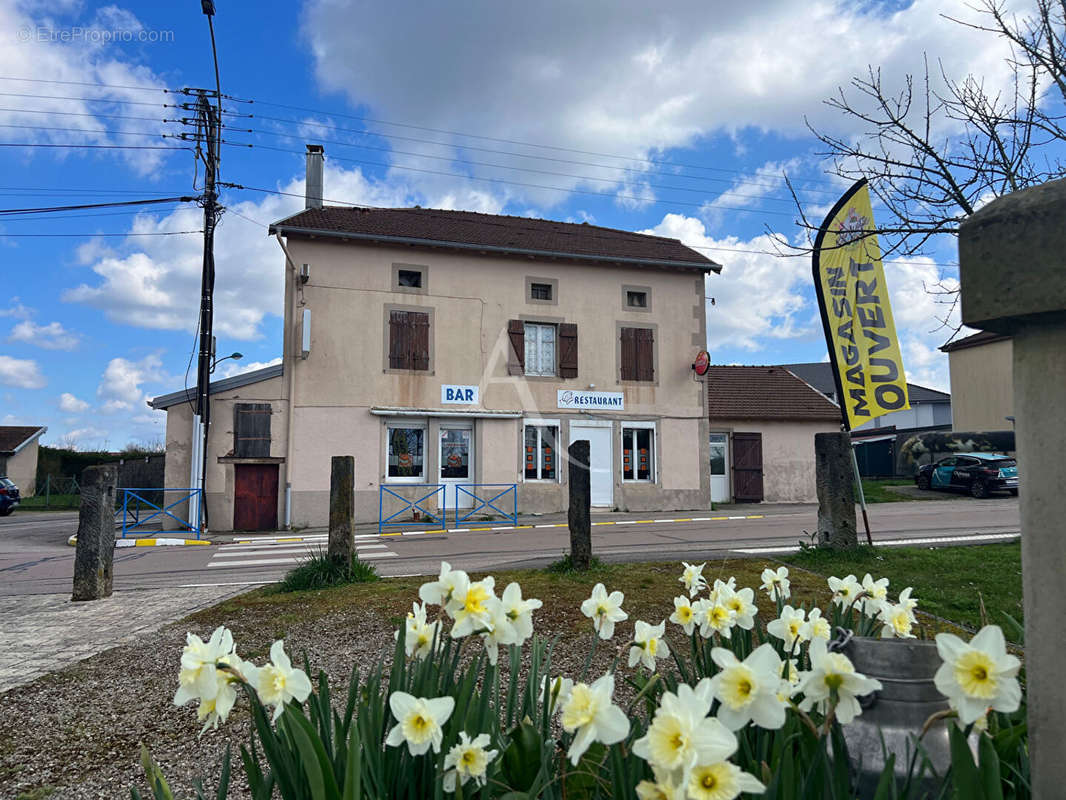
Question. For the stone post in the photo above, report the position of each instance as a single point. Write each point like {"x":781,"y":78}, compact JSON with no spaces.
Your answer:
{"x":1012,"y":267}
{"x":835,"y":479}
{"x":341,"y":508}
{"x":94,"y":557}
{"x":580,"y":513}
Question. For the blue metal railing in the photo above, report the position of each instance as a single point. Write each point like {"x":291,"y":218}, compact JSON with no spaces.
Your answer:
{"x":131,"y":514}
{"x":497,"y":502}
{"x":439,"y":515}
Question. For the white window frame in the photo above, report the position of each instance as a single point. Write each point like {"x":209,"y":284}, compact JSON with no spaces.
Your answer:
{"x":541,"y":423}
{"x":645,"y":425}
{"x":539,"y":326}
{"x":419,"y":424}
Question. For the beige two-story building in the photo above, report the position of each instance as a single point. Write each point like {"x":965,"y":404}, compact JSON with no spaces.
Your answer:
{"x":455,"y":354}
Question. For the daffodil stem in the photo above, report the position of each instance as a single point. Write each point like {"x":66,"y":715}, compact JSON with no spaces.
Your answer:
{"x":592,"y":654}
{"x":647,"y":687}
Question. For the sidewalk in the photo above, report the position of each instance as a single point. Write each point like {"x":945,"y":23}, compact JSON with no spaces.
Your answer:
{"x":43,"y":633}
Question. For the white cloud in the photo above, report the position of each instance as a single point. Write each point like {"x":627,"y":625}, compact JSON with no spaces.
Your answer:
{"x":239,"y":367}
{"x":21,"y":372}
{"x":620,"y":76}
{"x":120,"y":386}
{"x":71,"y":404}
{"x":758,"y":297}
{"x":16,"y":310}
{"x":87,"y":438}
{"x":52,"y":336}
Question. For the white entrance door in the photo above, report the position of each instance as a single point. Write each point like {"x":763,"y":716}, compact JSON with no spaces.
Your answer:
{"x":601,"y":466}
{"x":456,"y":463}
{"x":720,"y":467}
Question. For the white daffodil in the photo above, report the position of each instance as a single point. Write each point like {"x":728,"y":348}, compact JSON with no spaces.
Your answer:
{"x":832,"y":678}
{"x":722,"y":589}
{"x":714,"y":618}
{"x":682,"y":735}
{"x":556,"y":693}
{"x":439,"y":592}
{"x":604,"y":610}
{"x":693,"y":578}
{"x":214,"y":710}
{"x":664,"y":787}
{"x":742,"y":603}
{"x":845,"y":590}
{"x":468,"y":759}
{"x":418,"y":721}
{"x":816,"y":626}
{"x":648,"y":645}
{"x":874,"y":595}
{"x":905,"y":599}
{"x":519,"y":611}
{"x":418,"y":634}
{"x":197,"y":677}
{"x":277,"y":683}
{"x":776,"y":583}
{"x":684,"y":615}
{"x":591,"y":716}
{"x":501,"y":630}
{"x":471,"y":606}
{"x":978,"y":676}
{"x":790,"y":627}
{"x":721,"y":781}
{"x":788,"y":684}
{"x":898,"y":621}
{"x":748,"y":689}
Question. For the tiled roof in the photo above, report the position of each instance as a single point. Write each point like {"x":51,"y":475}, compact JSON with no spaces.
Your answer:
{"x":493,"y":232}
{"x":974,"y":340}
{"x":764,"y":393}
{"x":12,"y":437}
{"x":819,"y":374}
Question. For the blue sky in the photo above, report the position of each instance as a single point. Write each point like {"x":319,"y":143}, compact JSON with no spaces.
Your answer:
{"x":676,"y":118}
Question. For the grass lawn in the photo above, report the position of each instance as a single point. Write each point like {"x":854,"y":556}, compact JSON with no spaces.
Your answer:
{"x":950,"y":582}
{"x":56,"y":502}
{"x":875,"y":491}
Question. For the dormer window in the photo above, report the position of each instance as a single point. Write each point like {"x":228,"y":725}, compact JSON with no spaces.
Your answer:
{"x":540,"y":291}
{"x":409,"y":278}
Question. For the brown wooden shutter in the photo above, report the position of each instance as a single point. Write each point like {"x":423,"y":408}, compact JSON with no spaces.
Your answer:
{"x":516,"y":359}
{"x":747,"y":468}
{"x":645,"y":351}
{"x":567,"y":350}
{"x":418,"y":323}
{"x":399,"y":349}
{"x":251,"y":430}
{"x":629,"y":355}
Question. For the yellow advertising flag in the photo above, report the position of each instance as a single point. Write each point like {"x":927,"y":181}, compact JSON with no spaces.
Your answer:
{"x":856,"y":313}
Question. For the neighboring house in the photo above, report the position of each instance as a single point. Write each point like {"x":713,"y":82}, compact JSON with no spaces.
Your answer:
{"x":451,"y":347}
{"x":930,"y":409}
{"x":18,"y":455}
{"x":762,"y":426}
{"x":982,"y":381}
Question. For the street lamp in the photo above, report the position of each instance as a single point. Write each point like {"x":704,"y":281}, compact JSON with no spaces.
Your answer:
{"x":234,"y":356}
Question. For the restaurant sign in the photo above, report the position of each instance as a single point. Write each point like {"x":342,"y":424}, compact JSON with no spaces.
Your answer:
{"x":591,"y":401}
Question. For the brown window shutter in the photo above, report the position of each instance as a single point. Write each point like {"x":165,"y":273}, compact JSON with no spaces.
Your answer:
{"x":629,"y":355}
{"x":567,"y":350}
{"x":251,"y":430}
{"x":399,"y":349}
{"x":645,"y":341}
{"x":418,"y":323}
{"x":516,"y":359}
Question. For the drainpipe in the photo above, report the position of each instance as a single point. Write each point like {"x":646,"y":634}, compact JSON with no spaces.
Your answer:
{"x":290,"y":317}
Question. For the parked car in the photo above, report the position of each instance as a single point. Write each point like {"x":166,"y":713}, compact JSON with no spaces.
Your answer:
{"x":9,"y":496}
{"x":976,"y":473}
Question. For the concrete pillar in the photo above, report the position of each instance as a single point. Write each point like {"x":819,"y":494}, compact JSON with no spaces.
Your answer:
{"x":835,"y":480}
{"x":342,"y":508}
{"x":580,"y":512}
{"x":95,"y":554}
{"x":1012,"y":266}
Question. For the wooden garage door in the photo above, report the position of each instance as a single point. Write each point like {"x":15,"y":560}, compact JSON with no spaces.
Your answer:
{"x":255,"y":497}
{"x":747,"y":467}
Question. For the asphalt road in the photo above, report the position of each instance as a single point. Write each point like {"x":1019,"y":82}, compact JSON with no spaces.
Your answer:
{"x":35,"y":558}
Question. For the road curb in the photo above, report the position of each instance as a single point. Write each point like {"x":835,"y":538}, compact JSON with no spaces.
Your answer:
{"x":73,"y":541}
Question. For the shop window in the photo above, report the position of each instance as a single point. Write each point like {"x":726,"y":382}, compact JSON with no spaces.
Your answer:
{"x":540,"y":348}
{"x":541,"y":456}
{"x":406,"y":448}
{"x":638,"y":354}
{"x":638,"y":458}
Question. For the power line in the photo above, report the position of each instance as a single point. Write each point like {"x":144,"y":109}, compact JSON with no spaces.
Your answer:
{"x":91,"y":235}
{"x":84,"y":83}
{"x":86,"y":206}
{"x":94,"y":146}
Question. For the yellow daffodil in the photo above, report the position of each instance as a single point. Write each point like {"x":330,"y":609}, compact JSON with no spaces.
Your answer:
{"x":816,"y":626}
{"x":468,"y":759}
{"x":742,"y":603}
{"x":277,"y":683}
{"x":590,"y":715}
{"x":713,"y":618}
{"x":978,"y":676}
{"x":790,"y":627}
{"x":648,"y":645}
{"x":898,"y":621}
{"x":472,"y":606}
{"x":604,"y":610}
{"x":748,"y":689}
{"x":418,"y":721}
{"x":197,"y":678}
{"x":681,"y":734}
{"x":684,"y":615}
{"x":721,"y":781}
{"x":439,"y":592}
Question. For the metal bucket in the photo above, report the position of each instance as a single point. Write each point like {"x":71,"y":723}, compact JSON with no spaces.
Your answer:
{"x":893,"y":717}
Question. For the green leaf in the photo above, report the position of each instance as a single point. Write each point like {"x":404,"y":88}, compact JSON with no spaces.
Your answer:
{"x":353,"y":777}
{"x":886,"y":784}
{"x":313,"y":759}
{"x":966,"y":778}
{"x":522,"y":757}
{"x":156,"y":782}
{"x":989,"y":767}
{"x":223,"y":779}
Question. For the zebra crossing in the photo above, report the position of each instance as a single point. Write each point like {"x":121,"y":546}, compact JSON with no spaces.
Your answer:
{"x":285,"y":554}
